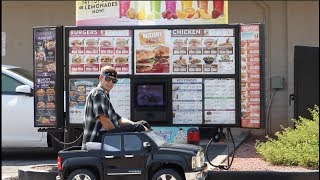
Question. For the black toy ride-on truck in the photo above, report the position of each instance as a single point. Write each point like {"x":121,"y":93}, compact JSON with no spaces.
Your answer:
{"x":127,"y":156}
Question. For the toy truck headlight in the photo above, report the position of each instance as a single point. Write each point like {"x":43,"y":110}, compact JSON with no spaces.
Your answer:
{"x":198,"y":160}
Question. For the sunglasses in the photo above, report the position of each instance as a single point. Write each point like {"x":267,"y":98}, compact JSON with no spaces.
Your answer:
{"x":108,"y":79}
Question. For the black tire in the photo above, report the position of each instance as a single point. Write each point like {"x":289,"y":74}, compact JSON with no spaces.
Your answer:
{"x":166,"y":174}
{"x":82,"y":174}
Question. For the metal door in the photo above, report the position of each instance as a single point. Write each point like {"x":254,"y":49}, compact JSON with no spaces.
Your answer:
{"x":306,"y":80}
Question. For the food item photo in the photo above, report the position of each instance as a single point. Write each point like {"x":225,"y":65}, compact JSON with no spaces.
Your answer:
{"x":145,"y":60}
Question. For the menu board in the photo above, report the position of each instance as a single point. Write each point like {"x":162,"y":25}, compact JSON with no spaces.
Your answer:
{"x":187,"y":100}
{"x":250,"y":76}
{"x":45,"y":76}
{"x":184,"y":51}
{"x":90,"y":50}
{"x":203,"y":51}
{"x":219,"y":101}
{"x":78,"y":91}
{"x":120,"y":97}
{"x":152,"y":51}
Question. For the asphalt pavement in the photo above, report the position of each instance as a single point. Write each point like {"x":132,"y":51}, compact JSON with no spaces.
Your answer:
{"x":15,"y":159}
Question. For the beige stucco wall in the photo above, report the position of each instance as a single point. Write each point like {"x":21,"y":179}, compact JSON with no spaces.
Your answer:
{"x":287,"y":23}
{"x":18,"y":19}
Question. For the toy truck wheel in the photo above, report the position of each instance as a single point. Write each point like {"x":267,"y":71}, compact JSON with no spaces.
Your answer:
{"x":82,"y":174}
{"x":164,"y":174}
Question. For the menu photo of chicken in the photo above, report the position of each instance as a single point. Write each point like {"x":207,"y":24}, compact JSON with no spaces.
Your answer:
{"x":179,"y":64}
{"x":180,"y":46}
{"x":195,"y":46}
{"x":194,"y":64}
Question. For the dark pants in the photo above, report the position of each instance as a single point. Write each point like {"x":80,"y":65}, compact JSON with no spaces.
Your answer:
{"x":136,"y":127}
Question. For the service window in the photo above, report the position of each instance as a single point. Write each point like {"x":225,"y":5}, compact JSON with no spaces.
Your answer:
{"x":112,"y":143}
{"x":132,"y":143}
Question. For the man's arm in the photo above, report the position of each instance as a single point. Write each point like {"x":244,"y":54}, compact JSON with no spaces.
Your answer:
{"x":124,"y":121}
{"x":106,"y":122}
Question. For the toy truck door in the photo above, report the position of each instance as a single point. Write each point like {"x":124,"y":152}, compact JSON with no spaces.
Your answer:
{"x":124,"y":157}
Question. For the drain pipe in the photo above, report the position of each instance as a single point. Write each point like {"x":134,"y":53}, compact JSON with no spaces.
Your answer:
{"x":266,"y":18}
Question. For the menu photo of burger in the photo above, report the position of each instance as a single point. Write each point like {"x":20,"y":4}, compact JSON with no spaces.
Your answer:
{"x":162,"y":54}
{"x":106,"y":43}
{"x":121,"y":60}
{"x":77,"y":42}
{"x":91,"y":59}
{"x":145,"y":59}
{"x":91,"y":42}
{"x":106,"y":59}
{"x":77,"y":59}
{"x":122,"y":42}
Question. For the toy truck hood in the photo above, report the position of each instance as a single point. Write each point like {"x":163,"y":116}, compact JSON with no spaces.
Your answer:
{"x":188,"y":148}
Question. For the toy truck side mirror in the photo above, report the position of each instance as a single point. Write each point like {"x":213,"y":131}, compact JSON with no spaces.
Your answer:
{"x":147,"y":145}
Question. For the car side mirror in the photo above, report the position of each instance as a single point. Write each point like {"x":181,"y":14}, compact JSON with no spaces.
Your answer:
{"x":146,"y":145}
{"x":24,"y":89}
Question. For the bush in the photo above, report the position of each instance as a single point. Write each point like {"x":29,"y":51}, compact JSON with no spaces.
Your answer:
{"x":297,"y":146}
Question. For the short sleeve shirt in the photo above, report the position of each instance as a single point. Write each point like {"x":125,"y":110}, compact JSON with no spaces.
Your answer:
{"x":97,"y":102}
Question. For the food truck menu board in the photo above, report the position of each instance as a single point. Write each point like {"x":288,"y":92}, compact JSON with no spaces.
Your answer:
{"x":203,"y":51}
{"x":90,"y":50}
{"x":184,"y":51}
{"x":79,"y":88}
{"x":45,"y":76}
{"x":120,"y":97}
{"x":187,"y":100}
{"x":250,"y":76}
{"x":219,"y":101}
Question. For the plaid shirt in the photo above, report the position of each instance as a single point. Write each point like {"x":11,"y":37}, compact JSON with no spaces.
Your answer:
{"x":97,"y":102}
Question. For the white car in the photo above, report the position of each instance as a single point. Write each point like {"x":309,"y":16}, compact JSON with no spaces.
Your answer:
{"x":17,"y":117}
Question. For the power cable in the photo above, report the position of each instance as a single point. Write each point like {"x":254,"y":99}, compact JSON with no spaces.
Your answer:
{"x":229,"y":163}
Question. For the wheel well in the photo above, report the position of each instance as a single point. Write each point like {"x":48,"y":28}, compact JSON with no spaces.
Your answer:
{"x":93,"y":169}
{"x":157,"y":167}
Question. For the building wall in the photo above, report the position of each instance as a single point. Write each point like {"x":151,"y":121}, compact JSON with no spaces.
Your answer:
{"x":18,"y":19}
{"x":287,"y":23}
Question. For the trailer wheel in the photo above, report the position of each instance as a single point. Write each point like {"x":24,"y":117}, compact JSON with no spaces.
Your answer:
{"x":164,"y":174}
{"x":82,"y":174}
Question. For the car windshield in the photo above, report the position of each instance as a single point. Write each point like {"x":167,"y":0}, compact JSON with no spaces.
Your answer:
{"x":23,"y":72}
{"x":156,"y":138}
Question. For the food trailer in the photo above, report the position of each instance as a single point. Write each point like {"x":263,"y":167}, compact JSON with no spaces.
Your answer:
{"x":178,"y":68}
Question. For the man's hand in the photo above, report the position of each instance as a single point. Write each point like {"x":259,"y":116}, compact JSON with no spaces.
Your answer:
{"x":124,"y":121}
{"x":106,"y":122}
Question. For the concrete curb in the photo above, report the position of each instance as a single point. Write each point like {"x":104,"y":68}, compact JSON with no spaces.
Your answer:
{"x":30,"y":173}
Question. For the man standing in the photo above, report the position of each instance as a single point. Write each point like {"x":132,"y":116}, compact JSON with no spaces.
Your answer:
{"x":100,"y":117}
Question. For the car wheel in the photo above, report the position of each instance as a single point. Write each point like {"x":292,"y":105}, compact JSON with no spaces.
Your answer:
{"x":166,"y":174}
{"x":82,"y":174}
